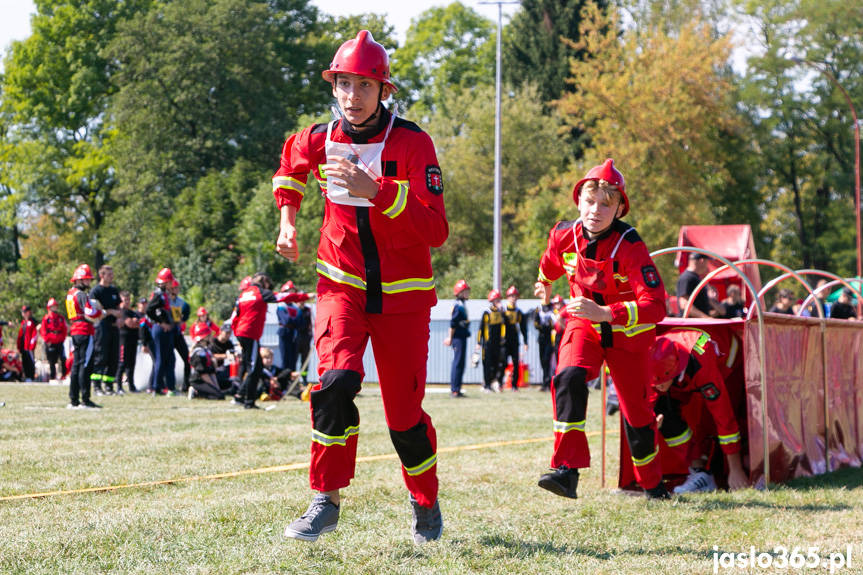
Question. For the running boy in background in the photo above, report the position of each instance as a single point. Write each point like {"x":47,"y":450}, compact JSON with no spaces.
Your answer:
{"x":617,"y":297}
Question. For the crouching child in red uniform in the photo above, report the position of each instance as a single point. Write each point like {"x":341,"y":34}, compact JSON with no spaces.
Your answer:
{"x":687,"y":362}
{"x":617,"y":297}
{"x":384,"y":210}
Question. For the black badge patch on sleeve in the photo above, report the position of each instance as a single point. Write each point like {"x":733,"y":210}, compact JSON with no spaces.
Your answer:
{"x":434,"y":180}
{"x":651,"y":276}
{"x":710,"y":392}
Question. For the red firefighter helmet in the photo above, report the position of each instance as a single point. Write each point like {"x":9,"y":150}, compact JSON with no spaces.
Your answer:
{"x":512,"y":291}
{"x":557,"y":299}
{"x":668,"y":360}
{"x":175,"y":283}
{"x":606,"y":171}
{"x":362,"y":56}
{"x":459,"y":287}
{"x":199,"y":331}
{"x":165,"y":276}
{"x":245,"y":283}
{"x":288,"y":285}
{"x":202,"y":311}
{"x":82,"y":272}
{"x":51,"y":302}
{"x":493,"y":295}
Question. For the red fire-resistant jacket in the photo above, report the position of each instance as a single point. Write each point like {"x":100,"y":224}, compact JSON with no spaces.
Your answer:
{"x":381,"y":250}
{"x":701,"y":373}
{"x":634,"y":294}
{"x":27,"y":335}
{"x":78,"y":309}
{"x":53,"y":328}
{"x":251,"y":313}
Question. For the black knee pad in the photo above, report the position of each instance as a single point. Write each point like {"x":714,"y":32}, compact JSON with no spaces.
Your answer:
{"x":414,"y":448}
{"x":570,"y":394}
{"x":673,"y":424}
{"x":642,"y":440}
{"x":333,"y":409}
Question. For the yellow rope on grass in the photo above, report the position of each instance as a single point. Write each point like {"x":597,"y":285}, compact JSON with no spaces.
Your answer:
{"x":274,"y":469}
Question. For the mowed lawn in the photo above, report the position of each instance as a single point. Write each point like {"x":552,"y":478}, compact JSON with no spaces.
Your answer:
{"x":496,"y":520}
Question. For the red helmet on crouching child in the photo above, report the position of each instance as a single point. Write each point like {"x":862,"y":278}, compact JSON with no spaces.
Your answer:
{"x":362,"y":56}
{"x":82,"y":272}
{"x":610,"y":174}
{"x":199,"y":331}
{"x":165,"y":276}
{"x":493,"y":295}
{"x":668,"y":360}
{"x":459,"y":287}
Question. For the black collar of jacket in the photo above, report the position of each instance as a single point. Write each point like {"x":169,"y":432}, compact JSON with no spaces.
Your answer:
{"x":363,"y":135}
{"x":602,"y":235}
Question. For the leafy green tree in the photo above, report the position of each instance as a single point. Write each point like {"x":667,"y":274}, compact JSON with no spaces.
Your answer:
{"x":447,"y":49}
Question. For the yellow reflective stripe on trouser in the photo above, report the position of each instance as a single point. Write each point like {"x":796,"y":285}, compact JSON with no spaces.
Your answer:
{"x":680,"y":439}
{"x":410,"y":284}
{"x":342,"y":277}
{"x":632,"y":312}
{"x":564,"y":427}
{"x":729,"y":439}
{"x":400,"y":202}
{"x":328,"y":440}
{"x":337,"y":275}
{"x":627,"y":331}
{"x":289,"y":183}
{"x":646,"y":460}
{"x":422,"y":467}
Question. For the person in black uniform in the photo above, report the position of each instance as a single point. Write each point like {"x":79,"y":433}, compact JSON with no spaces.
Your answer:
{"x":543,"y":321}
{"x":107,"y":340}
{"x":130,"y":326}
{"x":202,"y":380}
{"x":459,"y":331}
{"x":515,"y":322}
{"x":489,"y":339}
{"x":844,"y":308}
{"x":304,"y":322}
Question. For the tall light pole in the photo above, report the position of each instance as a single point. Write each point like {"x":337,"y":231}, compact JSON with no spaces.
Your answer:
{"x":496,"y":272}
{"x":836,"y":83}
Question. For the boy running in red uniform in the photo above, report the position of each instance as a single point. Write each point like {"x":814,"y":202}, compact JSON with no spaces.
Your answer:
{"x":384,"y":210}
{"x":617,"y":297}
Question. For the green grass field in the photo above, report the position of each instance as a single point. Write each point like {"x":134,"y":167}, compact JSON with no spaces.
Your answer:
{"x":496,"y":520}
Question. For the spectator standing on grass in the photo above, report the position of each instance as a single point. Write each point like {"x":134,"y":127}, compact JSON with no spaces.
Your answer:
{"x":145,"y":334}
{"x":286,"y":314}
{"x":384,"y":210}
{"x":543,"y":321}
{"x":129,"y":329}
{"x":459,"y":331}
{"x":53,"y":330}
{"x":27,"y":338}
{"x":107,"y":336}
{"x":843,"y":308}
{"x":617,"y":298}
{"x":516,"y":322}
{"x":161,"y":317}
{"x":489,"y":339}
{"x":784,"y":304}
{"x":305,"y":323}
{"x":83,"y":312}
{"x":181,"y":312}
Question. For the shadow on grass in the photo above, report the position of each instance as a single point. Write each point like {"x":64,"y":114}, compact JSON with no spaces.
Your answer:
{"x":519,"y":548}
{"x":720,"y":505}
{"x":845,"y":478}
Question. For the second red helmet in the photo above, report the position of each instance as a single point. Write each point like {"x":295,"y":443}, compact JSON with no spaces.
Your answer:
{"x":493,"y":295}
{"x":362,"y":56}
{"x":606,"y":171}
{"x":667,"y":359}
{"x":459,"y":287}
{"x":82,"y":272}
{"x":165,"y":276}
{"x":512,"y":291}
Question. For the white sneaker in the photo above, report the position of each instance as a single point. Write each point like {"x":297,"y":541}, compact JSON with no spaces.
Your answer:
{"x":192,"y":392}
{"x":495,"y":386}
{"x":699,"y":481}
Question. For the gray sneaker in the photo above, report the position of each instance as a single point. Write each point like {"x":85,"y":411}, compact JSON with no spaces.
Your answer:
{"x":427,"y":524}
{"x":322,"y":516}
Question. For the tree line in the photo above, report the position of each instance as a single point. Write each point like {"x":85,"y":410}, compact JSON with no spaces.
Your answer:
{"x":144,"y":133}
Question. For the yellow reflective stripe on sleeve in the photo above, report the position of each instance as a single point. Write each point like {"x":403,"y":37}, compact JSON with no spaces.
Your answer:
{"x":732,"y":353}
{"x":680,"y":439}
{"x":289,"y":183}
{"x":646,"y":460}
{"x":565,"y":427}
{"x":411,"y":284}
{"x":337,"y":275}
{"x":728,"y":439}
{"x":422,"y":467}
{"x":627,"y":331}
{"x":632,"y":312}
{"x":400,"y":202}
{"x":328,"y":440}
{"x":541,"y":277}
{"x":701,"y":342}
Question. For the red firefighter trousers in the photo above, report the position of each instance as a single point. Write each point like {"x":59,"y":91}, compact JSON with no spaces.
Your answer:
{"x":400,"y":346}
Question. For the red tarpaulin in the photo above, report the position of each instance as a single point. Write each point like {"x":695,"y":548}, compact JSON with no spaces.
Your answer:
{"x":734,"y":243}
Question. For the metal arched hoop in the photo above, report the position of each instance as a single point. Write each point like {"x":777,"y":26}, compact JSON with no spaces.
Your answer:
{"x":789,"y":273}
{"x":836,"y":281}
{"x":761,"y":349}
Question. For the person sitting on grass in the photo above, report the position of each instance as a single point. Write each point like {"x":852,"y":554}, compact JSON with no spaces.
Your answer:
{"x":202,"y":379}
